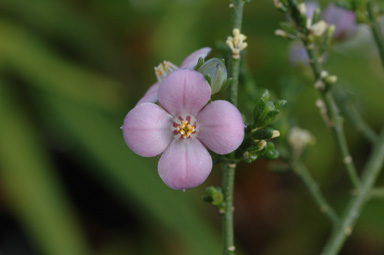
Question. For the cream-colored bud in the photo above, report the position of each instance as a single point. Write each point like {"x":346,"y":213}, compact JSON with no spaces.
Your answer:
{"x":319,"y":28}
{"x":299,"y":139}
{"x":281,"y":33}
{"x":302,"y":9}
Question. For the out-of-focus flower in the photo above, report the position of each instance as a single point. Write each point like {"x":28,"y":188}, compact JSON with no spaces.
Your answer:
{"x":298,"y":55}
{"x":344,"y":21}
{"x":310,"y":8}
{"x":166,"y":67}
{"x":299,"y":139}
{"x":183,"y":128}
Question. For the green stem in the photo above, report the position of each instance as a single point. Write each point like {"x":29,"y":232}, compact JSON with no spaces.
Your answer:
{"x":335,"y":122}
{"x":229,"y":168}
{"x":227,"y":220}
{"x":314,"y":190}
{"x":376,"y":31}
{"x":234,"y":67}
{"x":357,"y":202}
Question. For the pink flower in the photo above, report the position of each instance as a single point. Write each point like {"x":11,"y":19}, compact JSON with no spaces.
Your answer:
{"x":183,"y":128}
{"x":167,"y":67}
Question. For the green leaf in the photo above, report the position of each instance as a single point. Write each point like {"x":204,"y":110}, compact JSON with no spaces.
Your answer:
{"x":258,"y":110}
{"x":279,"y":103}
{"x":263,"y":133}
{"x":269,"y":118}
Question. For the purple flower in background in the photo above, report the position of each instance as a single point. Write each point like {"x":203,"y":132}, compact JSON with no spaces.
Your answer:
{"x":344,"y":21}
{"x":167,"y":67}
{"x":183,"y":128}
{"x":298,"y":55}
{"x":310,"y":8}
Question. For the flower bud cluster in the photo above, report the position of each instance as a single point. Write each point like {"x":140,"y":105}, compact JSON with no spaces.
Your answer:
{"x":236,"y":43}
{"x":259,"y":133}
{"x":315,"y":28}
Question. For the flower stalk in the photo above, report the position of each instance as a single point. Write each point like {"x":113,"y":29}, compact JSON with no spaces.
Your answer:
{"x":335,"y":121}
{"x":227,"y":220}
{"x":229,"y":167}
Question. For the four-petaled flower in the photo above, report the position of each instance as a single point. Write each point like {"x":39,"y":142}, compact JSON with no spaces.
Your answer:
{"x":183,"y":128}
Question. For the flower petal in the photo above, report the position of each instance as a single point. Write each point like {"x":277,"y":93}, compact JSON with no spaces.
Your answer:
{"x":344,"y":21}
{"x":151,"y":95}
{"x":184,"y":91}
{"x":191,"y":60}
{"x":147,"y":130}
{"x":185,"y":164}
{"x":221,"y":127}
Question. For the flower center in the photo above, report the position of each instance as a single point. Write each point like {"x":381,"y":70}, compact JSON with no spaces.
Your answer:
{"x":185,"y":128}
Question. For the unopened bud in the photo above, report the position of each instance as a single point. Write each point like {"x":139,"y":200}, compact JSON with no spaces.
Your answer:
{"x":319,"y":28}
{"x":299,"y":139}
{"x":278,"y":4}
{"x":281,"y":33}
{"x":331,"y":79}
{"x":217,"y":72}
{"x":302,"y":9}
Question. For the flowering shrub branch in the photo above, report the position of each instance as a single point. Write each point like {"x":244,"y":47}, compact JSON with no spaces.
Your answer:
{"x":316,"y":39}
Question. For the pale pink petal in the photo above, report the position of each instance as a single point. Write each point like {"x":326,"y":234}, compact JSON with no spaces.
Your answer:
{"x":147,"y":129}
{"x":191,"y":60}
{"x":184,"y":91}
{"x":221,"y":127}
{"x":151,"y":95}
{"x":185,"y":164}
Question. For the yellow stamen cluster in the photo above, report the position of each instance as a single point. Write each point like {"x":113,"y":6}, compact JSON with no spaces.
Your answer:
{"x":185,"y":129}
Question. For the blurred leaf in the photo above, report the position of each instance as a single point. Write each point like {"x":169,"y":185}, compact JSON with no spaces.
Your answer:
{"x":29,"y":180}
{"x":78,"y":31}
{"x":33,"y":59}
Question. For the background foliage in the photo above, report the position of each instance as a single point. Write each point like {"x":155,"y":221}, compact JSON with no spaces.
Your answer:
{"x":69,"y":73}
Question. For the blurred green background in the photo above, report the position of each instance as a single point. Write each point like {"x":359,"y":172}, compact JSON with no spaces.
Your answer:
{"x":69,"y":73}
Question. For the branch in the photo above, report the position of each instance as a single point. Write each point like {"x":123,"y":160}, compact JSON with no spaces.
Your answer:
{"x":357,"y":202}
{"x":314,"y":190}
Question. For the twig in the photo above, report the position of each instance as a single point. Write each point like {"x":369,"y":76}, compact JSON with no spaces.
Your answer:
{"x":357,"y":202}
{"x":314,"y":190}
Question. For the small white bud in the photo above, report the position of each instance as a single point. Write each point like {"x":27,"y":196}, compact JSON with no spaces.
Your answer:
{"x":277,"y":4}
{"x":319,"y":28}
{"x":281,"y":33}
{"x":299,"y":139}
{"x":302,"y":9}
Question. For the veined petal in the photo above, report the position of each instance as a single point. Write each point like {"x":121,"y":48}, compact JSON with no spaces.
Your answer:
{"x":221,"y":127}
{"x":184,"y":91}
{"x":151,"y":95}
{"x":191,"y":60}
{"x":147,"y":129}
{"x":185,"y":164}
